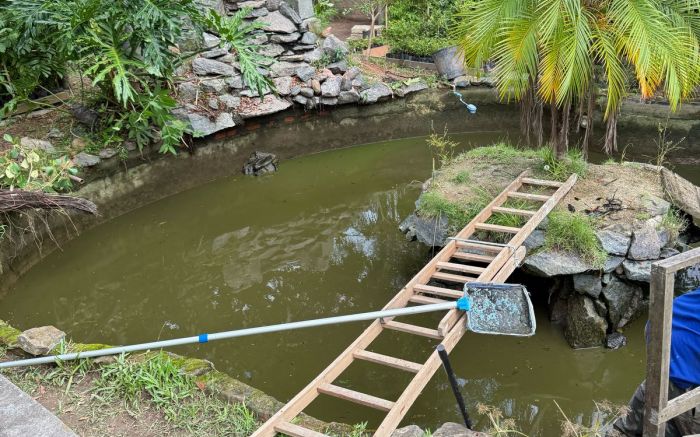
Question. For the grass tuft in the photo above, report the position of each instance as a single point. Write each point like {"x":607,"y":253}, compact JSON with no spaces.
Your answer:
{"x":561,"y":169}
{"x":674,"y":222}
{"x":433,"y":204}
{"x":463,"y":177}
{"x":500,"y":152}
{"x":574,"y":232}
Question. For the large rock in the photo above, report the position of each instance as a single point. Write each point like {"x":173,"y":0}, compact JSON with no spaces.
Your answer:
{"x":637,"y":270}
{"x":408,"y":431}
{"x":588,"y":283}
{"x":451,"y":429}
{"x":35,"y":144}
{"x":216,"y":85}
{"x":284,"y":68}
{"x":334,"y":46}
{"x":612,"y":263}
{"x":375,"y":93}
{"x":253,"y":107}
{"x":346,"y":97}
{"x":205,"y":67}
{"x":429,"y":231}
{"x":655,"y":206}
{"x":535,"y":240}
{"x":646,"y":244}
{"x":624,"y":301}
{"x":615,"y":243}
{"x":305,"y":72}
{"x":276,"y":22}
{"x":584,"y":327}
{"x":202,"y":125}
{"x":40,"y":341}
{"x":411,"y":88}
{"x":331,"y":86}
{"x":682,"y":193}
{"x":83,"y":159}
{"x":549,"y":263}
{"x":290,"y":13}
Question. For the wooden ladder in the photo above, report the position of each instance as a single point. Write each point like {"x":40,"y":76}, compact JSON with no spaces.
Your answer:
{"x":454,"y":264}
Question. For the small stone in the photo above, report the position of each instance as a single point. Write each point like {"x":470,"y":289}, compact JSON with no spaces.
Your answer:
{"x":105,"y":360}
{"x":213,"y":103}
{"x":305,"y":72}
{"x":588,"y":283}
{"x":273,"y":5}
{"x":259,"y":39}
{"x":210,"y":41}
{"x":283,"y":68}
{"x":408,"y":431}
{"x":346,"y":97}
{"x":214,"y":53}
{"x":334,"y":46}
{"x":296,"y":89}
{"x":34,"y":144}
{"x":615,"y":341}
{"x":308,"y":38}
{"x":412,"y":87}
{"x":461,"y":82}
{"x":316,"y":86}
{"x":40,"y":341}
{"x":637,"y":270}
{"x":216,"y":86}
{"x":339,"y":67}
{"x":613,"y":242}
{"x":612,"y":263}
{"x":204,"y":67}
{"x":276,"y":22}
{"x":55,"y":133}
{"x":283,"y":85}
{"x":83,"y":159}
{"x":292,"y":58}
{"x":285,"y":38}
{"x":187,"y":92}
{"x":451,"y":429}
{"x":331,"y":87}
{"x":307,"y":92}
{"x":352,"y":73}
{"x":259,"y":12}
{"x":300,"y":100}
{"x":272,"y":50}
{"x":235,"y":82}
{"x":645,"y":244}
{"x":229,"y":101}
{"x":314,"y":55}
{"x":107,"y":153}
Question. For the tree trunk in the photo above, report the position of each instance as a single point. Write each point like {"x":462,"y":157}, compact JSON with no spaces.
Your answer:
{"x":564,"y":128}
{"x":611,"y":133}
{"x":589,"y":120}
{"x":531,"y":115}
{"x":554,"y":137}
{"x":371,"y":34}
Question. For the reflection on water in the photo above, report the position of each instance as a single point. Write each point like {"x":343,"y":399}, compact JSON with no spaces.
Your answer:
{"x":317,"y":239}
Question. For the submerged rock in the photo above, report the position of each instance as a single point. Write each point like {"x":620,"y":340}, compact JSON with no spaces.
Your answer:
{"x":40,"y":341}
{"x":584,"y":327}
{"x":430,"y":231}
{"x":624,"y":301}
{"x":615,"y":341}
{"x":260,"y":163}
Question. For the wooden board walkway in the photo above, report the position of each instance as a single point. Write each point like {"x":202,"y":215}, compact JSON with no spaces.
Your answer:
{"x":450,"y":267}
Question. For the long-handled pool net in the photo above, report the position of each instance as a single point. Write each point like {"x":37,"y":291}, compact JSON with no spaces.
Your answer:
{"x":493,"y":309}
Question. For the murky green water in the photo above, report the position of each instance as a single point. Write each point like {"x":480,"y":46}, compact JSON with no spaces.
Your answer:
{"x":319,"y":238}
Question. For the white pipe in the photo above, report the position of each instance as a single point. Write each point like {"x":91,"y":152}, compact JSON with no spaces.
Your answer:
{"x":204,"y":338}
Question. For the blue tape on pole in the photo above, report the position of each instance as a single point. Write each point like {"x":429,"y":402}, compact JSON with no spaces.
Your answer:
{"x":203,"y":338}
{"x":464,"y":304}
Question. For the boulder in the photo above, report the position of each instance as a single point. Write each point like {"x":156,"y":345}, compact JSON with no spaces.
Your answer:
{"x":216,"y":86}
{"x":375,"y":93}
{"x":35,"y":144}
{"x":308,"y":38}
{"x":289,"y":13}
{"x":276,"y":22}
{"x":624,"y":301}
{"x":83,"y":159}
{"x":284,"y":68}
{"x":339,"y":67}
{"x":331,"y":86}
{"x":259,"y":12}
{"x":584,"y":326}
{"x":273,"y":5}
{"x":637,"y":270}
{"x":203,"y":126}
{"x":40,"y":341}
{"x":549,"y":263}
{"x":408,"y":431}
{"x":300,"y":100}
{"x":346,"y":97}
{"x":615,"y":341}
{"x":427,"y":230}
{"x":285,"y":38}
{"x":253,"y":107}
{"x":352,"y":73}
{"x":334,"y":46}
{"x":655,"y":206}
{"x":588,"y":283}
{"x":615,"y":243}
{"x":451,"y":429}
{"x":682,"y":193}
{"x":535,"y":240}
{"x":412,"y":87}
{"x":283,"y":85}
{"x":645,"y":244}
{"x":205,"y":67}
{"x":612,"y":263}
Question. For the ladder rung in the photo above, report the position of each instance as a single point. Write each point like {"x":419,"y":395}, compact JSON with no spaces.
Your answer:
{"x":484,"y":247}
{"x":452,"y":278}
{"x":460,"y":267}
{"x":522,"y":212}
{"x":425,"y":300}
{"x":356,"y":397}
{"x":528,"y":196}
{"x":438,"y":291}
{"x":413,"y":329}
{"x":466,"y":256}
{"x":542,"y":182}
{"x":396,"y":363}
{"x":296,"y":431}
{"x":496,"y":228}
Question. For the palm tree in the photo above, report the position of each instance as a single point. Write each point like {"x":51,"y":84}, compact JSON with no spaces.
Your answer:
{"x":554,"y":52}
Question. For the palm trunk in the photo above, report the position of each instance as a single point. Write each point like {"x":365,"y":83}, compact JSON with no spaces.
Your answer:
{"x":611,"y":133}
{"x":564,"y":128}
{"x":589,"y":118}
{"x":554,"y":137}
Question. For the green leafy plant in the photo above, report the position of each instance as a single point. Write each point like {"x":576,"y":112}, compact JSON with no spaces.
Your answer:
{"x":419,"y":27}
{"x":574,"y":232}
{"x":34,"y":169}
{"x":372,"y":9}
{"x":325,"y":11}
{"x":442,"y":147}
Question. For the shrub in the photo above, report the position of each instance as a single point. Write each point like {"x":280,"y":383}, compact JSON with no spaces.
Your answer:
{"x":573,"y":232}
{"x":419,"y":27}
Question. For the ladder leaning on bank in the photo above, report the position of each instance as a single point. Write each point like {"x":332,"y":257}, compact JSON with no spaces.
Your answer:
{"x":453,"y":264}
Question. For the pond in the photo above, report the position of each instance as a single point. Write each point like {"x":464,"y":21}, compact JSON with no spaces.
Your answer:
{"x":318,"y":238}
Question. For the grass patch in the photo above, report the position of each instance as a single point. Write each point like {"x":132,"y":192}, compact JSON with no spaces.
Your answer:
{"x":573,"y":232}
{"x":500,"y":152}
{"x":463,"y":177}
{"x":561,"y":169}
{"x":433,"y":204}
{"x":674,"y":222}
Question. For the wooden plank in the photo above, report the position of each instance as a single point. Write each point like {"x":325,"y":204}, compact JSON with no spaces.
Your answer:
{"x":680,"y":405}
{"x":438,"y":291}
{"x":452,"y":278}
{"x":497,"y":228}
{"x":477,"y":246}
{"x":356,"y":397}
{"x":425,"y":300}
{"x":293,"y":430}
{"x":413,"y":329}
{"x":528,"y":196}
{"x":680,"y":261}
{"x":542,"y":182}
{"x":459,"y":267}
{"x":32,"y":105}
{"x":386,"y":360}
{"x":465,"y":256}
{"x":514,"y":211}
